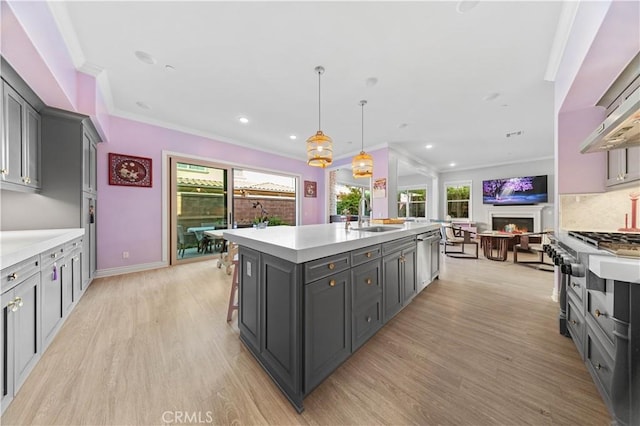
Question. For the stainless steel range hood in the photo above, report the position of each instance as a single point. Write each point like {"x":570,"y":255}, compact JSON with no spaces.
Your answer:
{"x":621,"y":129}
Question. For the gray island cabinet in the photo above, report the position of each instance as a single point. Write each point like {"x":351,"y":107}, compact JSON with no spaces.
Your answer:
{"x":312,"y":295}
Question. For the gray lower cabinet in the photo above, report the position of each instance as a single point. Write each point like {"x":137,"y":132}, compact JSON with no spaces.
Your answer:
{"x":603,"y":318}
{"x":327,"y":326}
{"x":399,"y":275}
{"x":366,"y":302}
{"x":73,"y":271}
{"x":301,"y":321}
{"x":52,"y":271}
{"x":20,"y":325}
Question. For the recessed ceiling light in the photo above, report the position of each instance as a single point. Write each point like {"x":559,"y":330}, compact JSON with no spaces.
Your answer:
{"x":466,"y":5}
{"x":145,"y":57}
{"x":293,"y":137}
{"x":371,"y":81}
{"x":169,"y":68}
{"x":402,"y":125}
{"x":491,"y":96}
{"x":429,"y":146}
{"x":452,"y":164}
{"x":243,"y":119}
{"x":143,"y":105}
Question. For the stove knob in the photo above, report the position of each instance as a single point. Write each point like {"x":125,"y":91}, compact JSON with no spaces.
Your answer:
{"x":577,"y":270}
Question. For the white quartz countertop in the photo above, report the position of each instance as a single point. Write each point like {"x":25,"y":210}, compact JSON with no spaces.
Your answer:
{"x":615,"y":268}
{"x":16,"y":246}
{"x":301,"y":244}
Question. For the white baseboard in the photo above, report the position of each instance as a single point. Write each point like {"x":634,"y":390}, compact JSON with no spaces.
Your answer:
{"x":129,"y":269}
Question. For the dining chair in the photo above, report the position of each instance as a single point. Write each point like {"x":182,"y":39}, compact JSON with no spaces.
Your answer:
{"x":459,"y":237}
{"x":528,"y":245}
{"x":181,"y":242}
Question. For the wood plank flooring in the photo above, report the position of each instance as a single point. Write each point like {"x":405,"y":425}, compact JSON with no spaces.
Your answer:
{"x":480,"y":346}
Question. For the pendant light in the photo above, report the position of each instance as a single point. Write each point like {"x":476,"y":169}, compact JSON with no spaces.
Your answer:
{"x":319,"y":146}
{"x":362,"y":164}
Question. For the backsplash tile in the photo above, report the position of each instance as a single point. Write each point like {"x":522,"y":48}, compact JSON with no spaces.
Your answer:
{"x":598,"y":212}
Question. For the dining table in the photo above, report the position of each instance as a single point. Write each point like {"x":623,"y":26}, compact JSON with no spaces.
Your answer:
{"x":495,"y":244}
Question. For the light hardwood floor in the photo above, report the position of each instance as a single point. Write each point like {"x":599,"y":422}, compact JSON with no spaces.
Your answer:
{"x":480,"y":346}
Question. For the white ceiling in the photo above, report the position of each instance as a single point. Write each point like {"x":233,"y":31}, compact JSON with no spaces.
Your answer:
{"x":433,"y":67}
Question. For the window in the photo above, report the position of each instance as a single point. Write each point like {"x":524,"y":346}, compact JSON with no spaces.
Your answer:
{"x":412,"y":203}
{"x":458,"y":200}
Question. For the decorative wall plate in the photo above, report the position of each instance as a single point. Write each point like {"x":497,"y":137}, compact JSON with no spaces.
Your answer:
{"x":128,"y":170}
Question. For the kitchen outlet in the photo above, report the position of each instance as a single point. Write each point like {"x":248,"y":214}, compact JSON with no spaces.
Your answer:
{"x":125,"y":254}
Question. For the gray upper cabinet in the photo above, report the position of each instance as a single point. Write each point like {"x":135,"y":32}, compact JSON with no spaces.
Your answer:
{"x":623,"y":166}
{"x":89,"y":154}
{"x":20,"y":142}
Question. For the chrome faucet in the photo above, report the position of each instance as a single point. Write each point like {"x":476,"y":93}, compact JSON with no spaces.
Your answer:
{"x":347,"y":223}
{"x":362,"y":208}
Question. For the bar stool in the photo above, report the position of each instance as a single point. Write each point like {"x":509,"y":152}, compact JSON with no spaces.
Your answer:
{"x":233,"y":258}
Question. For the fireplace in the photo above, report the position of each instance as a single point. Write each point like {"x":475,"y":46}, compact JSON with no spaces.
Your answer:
{"x":529,"y":217}
{"x":511,"y":224}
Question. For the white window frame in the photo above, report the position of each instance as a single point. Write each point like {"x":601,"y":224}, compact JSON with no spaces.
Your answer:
{"x":409,"y":189}
{"x":470,"y":200}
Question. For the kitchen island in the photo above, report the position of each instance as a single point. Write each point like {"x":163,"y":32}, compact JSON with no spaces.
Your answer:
{"x":310,"y":296}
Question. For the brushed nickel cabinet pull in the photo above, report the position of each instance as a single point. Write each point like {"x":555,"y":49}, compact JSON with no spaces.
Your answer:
{"x":332,"y":283}
{"x":13,"y":276}
{"x":598,"y":366}
{"x":598,"y":313}
{"x":332,"y":266}
{"x":368,"y":254}
{"x":368,"y":281}
{"x":368,"y":319}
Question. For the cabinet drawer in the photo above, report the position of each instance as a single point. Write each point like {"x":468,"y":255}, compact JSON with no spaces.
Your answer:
{"x":54,"y":255}
{"x":73,"y":245}
{"x":365,"y":255}
{"x":366,"y":321}
{"x":577,"y":286}
{"x":365,"y":282}
{"x":601,"y":365}
{"x":600,"y":309}
{"x":401,"y":244}
{"x":576,"y":325}
{"x":15,"y":274}
{"x":326,"y":266}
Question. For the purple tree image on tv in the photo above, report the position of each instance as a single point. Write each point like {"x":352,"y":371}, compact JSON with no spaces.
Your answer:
{"x":519,"y":190}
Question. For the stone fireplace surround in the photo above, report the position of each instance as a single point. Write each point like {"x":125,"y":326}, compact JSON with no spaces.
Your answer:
{"x":531,"y":212}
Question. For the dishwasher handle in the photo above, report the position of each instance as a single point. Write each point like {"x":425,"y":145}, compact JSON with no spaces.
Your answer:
{"x":429,"y":237}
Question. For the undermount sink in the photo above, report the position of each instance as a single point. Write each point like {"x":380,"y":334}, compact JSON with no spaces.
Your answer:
{"x":377,"y":228}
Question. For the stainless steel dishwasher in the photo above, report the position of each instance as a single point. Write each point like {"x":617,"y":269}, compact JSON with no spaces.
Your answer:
{"x":428,"y":258}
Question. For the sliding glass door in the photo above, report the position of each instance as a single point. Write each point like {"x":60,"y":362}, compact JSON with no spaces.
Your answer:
{"x":200,"y":202}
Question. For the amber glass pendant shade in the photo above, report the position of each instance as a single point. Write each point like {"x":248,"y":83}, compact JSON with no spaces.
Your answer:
{"x":319,"y":146}
{"x":362,"y":164}
{"x":319,"y":150}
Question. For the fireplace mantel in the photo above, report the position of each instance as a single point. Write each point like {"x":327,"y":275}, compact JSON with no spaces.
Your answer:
{"x":533,"y":212}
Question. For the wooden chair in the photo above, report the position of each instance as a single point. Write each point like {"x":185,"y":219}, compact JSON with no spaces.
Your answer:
{"x":459,"y":237}
{"x":526,"y":245}
{"x":233,"y":256}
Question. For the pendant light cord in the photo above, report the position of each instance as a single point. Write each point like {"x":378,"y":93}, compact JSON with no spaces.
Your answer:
{"x":362,"y":146}
{"x":319,"y":110}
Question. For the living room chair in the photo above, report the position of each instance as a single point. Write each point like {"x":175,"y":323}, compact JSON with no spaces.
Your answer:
{"x":526,"y":245}
{"x":459,"y":237}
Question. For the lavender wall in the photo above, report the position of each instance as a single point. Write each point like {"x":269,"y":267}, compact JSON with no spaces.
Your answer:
{"x":584,"y":76}
{"x":128,"y":218}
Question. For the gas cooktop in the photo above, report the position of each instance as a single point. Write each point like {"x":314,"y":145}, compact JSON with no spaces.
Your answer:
{"x":619,"y":243}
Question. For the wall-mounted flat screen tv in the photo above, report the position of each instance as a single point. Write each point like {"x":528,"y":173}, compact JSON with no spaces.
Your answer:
{"x":518,"y":190}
